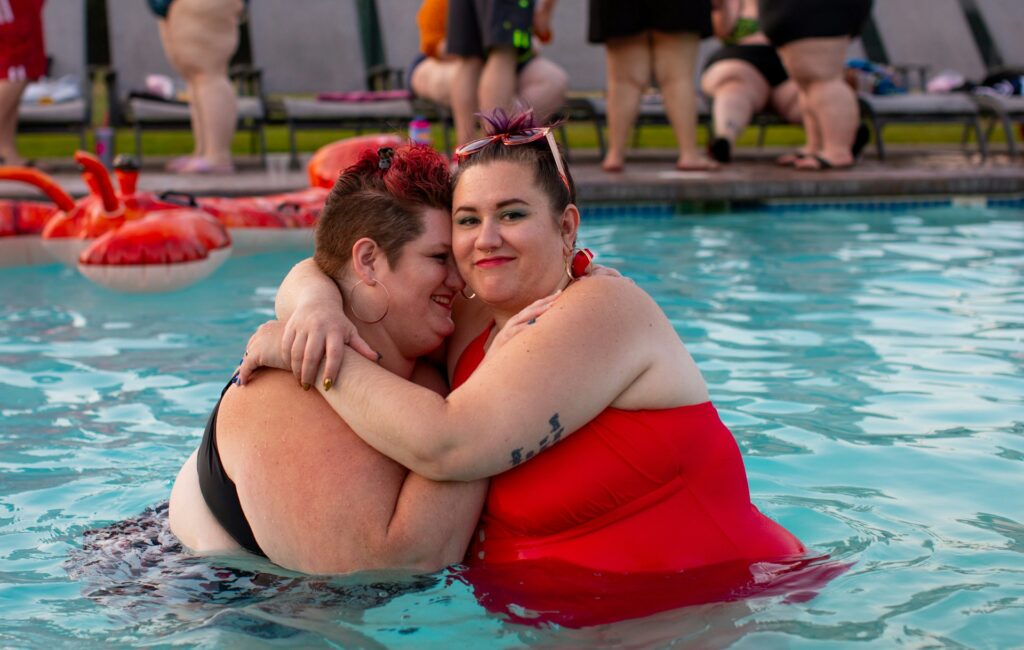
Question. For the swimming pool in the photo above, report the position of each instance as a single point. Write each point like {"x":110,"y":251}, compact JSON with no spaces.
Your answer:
{"x":869,"y":363}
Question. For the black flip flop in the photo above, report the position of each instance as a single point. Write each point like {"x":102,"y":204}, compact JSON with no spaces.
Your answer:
{"x":823,"y":165}
{"x":860,"y":140}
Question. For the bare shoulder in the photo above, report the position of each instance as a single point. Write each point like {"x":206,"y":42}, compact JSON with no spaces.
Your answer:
{"x":616,"y":301}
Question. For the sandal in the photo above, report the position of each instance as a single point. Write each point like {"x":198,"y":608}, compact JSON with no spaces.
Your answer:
{"x":820,"y":164}
{"x":860,"y":140}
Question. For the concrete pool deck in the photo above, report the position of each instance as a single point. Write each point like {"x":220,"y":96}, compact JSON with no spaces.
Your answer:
{"x":938,"y":171}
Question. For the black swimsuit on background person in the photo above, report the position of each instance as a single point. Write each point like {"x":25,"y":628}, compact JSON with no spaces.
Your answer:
{"x":219,"y":490}
{"x":762,"y":57}
{"x":784,"y":21}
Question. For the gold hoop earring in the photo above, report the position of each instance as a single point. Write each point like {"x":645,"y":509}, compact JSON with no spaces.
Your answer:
{"x":578,"y":263}
{"x":470,"y":296}
{"x":387,"y":303}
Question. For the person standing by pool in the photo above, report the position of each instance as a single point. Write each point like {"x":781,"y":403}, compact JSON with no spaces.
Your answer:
{"x":22,"y":59}
{"x":812,"y":38}
{"x":199,"y":38}
{"x":588,"y":411}
{"x":645,"y":37}
{"x":278,"y":473}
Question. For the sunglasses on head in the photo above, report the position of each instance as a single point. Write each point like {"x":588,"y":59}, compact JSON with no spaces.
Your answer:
{"x":511,"y":139}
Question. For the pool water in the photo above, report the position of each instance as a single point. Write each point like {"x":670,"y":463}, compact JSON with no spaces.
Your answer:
{"x":870,"y":364}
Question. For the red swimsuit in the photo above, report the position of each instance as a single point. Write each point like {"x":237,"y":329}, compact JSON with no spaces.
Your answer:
{"x":654,"y":490}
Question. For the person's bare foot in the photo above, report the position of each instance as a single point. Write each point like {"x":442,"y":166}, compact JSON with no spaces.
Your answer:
{"x":13,"y":161}
{"x":696,"y":163}
{"x":791,"y":158}
{"x":204,"y":166}
{"x":179,"y":163}
{"x":612,"y":162}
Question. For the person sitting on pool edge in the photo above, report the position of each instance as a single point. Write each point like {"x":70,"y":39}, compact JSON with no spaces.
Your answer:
{"x":277,"y":472}
{"x":744,"y":76}
{"x":592,"y":420}
{"x":539,"y":82}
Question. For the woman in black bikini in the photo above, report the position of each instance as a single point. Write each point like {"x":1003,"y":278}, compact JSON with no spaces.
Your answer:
{"x":744,"y":77}
{"x":278,"y":472}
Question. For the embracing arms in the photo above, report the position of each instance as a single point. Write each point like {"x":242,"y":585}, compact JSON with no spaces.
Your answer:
{"x":592,"y":349}
{"x":319,"y":330}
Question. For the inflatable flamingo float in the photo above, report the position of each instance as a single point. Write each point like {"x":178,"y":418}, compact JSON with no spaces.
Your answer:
{"x":134,"y":241}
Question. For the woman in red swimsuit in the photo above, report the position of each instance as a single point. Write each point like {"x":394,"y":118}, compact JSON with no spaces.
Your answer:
{"x":583,"y":406}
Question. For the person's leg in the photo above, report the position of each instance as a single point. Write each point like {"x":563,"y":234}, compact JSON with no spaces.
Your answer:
{"x":465,"y":80}
{"x":204,"y":35}
{"x":542,"y":85}
{"x":675,"y":57}
{"x":10,"y":95}
{"x":812,"y":133}
{"x":816,"y":65}
{"x":177,"y":164}
{"x":785,"y":99}
{"x":498,"y":79}
{"x":629,"y":73}
{"x":434,"y":79}
{"x":739,"y":91}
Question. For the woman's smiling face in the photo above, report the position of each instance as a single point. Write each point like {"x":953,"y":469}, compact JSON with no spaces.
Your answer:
{"x":509,"y":246}
{"x":422,"y":287}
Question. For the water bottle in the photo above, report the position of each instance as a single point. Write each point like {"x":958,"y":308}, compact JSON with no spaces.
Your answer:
{"x":105,"y":145}
{"x":419,"y":131}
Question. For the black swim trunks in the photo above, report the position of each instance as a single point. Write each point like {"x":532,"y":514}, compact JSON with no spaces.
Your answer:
{"x":784,"y":21}
{"x":475,"y":27}
{"x":219,"y":490}
{"x":763,"y":57}
{"x":619,"y":18}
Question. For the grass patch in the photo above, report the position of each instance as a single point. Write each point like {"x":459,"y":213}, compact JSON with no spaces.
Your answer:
{"x":581,"y":137}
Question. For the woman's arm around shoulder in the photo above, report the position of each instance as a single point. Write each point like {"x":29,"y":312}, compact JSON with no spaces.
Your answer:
{"x":582,"y":356}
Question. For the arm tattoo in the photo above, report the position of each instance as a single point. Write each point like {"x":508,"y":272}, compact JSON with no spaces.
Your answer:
{"x":553,"y":436}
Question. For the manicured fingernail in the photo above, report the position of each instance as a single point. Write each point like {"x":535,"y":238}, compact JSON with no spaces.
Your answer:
{"x":306,"y":387}
{"x":327,"y":384}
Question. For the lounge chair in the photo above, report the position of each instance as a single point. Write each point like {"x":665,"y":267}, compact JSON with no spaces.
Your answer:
{"x":64,"y":23}
{"x":1003,"y":20}
{"x":135,"y":52}
{"x":925,"y":34}
{"x":314,"y":70}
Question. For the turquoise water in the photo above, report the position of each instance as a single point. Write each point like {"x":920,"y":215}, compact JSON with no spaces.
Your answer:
{"x":870,"y":365}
